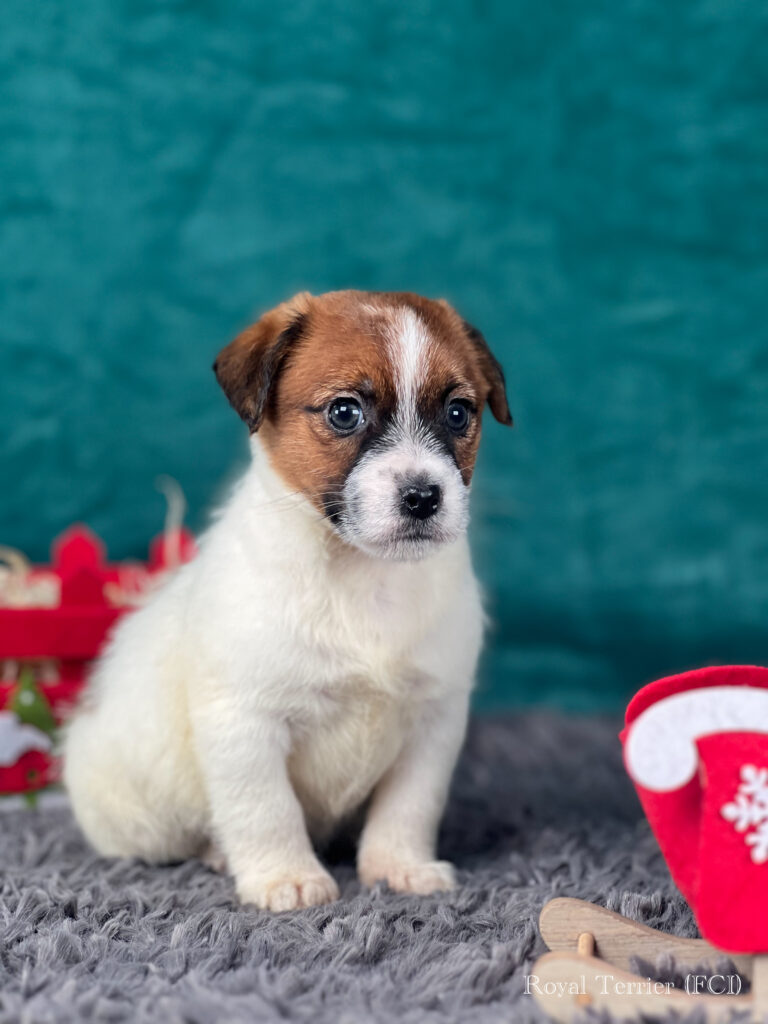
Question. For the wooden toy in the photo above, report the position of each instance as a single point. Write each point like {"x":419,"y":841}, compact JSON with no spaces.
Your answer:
{"x":696,"y":748}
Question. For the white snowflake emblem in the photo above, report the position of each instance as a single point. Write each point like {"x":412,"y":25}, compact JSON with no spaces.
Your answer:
{"x":749,"y":810}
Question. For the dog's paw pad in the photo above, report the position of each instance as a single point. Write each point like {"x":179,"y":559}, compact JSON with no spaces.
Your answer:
{"x":422,"y":877}
{"x":290,"y":891}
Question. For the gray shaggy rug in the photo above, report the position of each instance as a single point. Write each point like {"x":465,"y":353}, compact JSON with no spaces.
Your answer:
{"x":540,"y":808}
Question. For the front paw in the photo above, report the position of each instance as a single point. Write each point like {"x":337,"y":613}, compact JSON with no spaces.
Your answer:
{"x":407,"y":875}
{"x":288,"y":889}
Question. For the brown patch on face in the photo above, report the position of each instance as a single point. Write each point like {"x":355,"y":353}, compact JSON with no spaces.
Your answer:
{"x":342,"y":353}
{"x":282,"y":374}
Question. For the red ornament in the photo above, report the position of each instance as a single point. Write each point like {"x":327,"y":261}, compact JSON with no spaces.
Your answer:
{"x":696,"y":748}
{"x":92,"y":595}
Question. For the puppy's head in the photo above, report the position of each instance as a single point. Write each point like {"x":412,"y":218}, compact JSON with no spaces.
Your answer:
{"x":369,"y":403}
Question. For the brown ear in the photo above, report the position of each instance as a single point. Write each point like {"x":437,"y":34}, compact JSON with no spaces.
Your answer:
{"x":248,"y":367}
{"x":494,"y":375}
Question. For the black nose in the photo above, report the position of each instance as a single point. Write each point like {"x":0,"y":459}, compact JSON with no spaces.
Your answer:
{"x":421,"y":502}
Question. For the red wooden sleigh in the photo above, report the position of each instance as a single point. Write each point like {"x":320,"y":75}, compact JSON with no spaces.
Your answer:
{"x":57,"y":642}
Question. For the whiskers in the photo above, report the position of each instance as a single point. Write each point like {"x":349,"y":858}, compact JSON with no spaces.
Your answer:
{"x":330,"y":501}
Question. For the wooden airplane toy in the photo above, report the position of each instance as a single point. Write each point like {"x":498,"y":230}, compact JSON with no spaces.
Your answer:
{"x":696,"y":748}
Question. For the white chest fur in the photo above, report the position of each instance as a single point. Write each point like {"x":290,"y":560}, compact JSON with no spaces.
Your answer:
{"x":335,"y":763}
{"x":346,"y":649}
{"x":362,"y":670}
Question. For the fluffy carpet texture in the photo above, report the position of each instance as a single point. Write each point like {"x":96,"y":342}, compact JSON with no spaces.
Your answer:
{"x":540,"y":808}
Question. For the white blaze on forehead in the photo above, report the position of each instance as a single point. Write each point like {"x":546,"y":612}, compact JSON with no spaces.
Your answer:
{"x":373,"y":517}
{"x":408,"y":346}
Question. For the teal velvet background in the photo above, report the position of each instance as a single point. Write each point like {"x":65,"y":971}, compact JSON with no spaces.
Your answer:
{"x":586,"y":181}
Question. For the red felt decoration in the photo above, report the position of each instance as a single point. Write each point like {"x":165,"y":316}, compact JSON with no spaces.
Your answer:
{"x":696,"y":748}
{"x":71,"y":634}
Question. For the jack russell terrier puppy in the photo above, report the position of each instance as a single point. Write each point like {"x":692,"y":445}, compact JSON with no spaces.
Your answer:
{"x":316,"y":658}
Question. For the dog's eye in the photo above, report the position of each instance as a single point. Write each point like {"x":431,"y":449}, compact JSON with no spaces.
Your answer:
{"x":345,"y":415}
{"x":457,"y":415}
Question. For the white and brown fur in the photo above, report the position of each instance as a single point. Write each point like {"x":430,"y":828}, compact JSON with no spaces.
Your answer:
{"x":315,"y":660}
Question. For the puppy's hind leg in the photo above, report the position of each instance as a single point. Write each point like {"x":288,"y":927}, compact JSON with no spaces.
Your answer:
{"x":120,"y":814}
